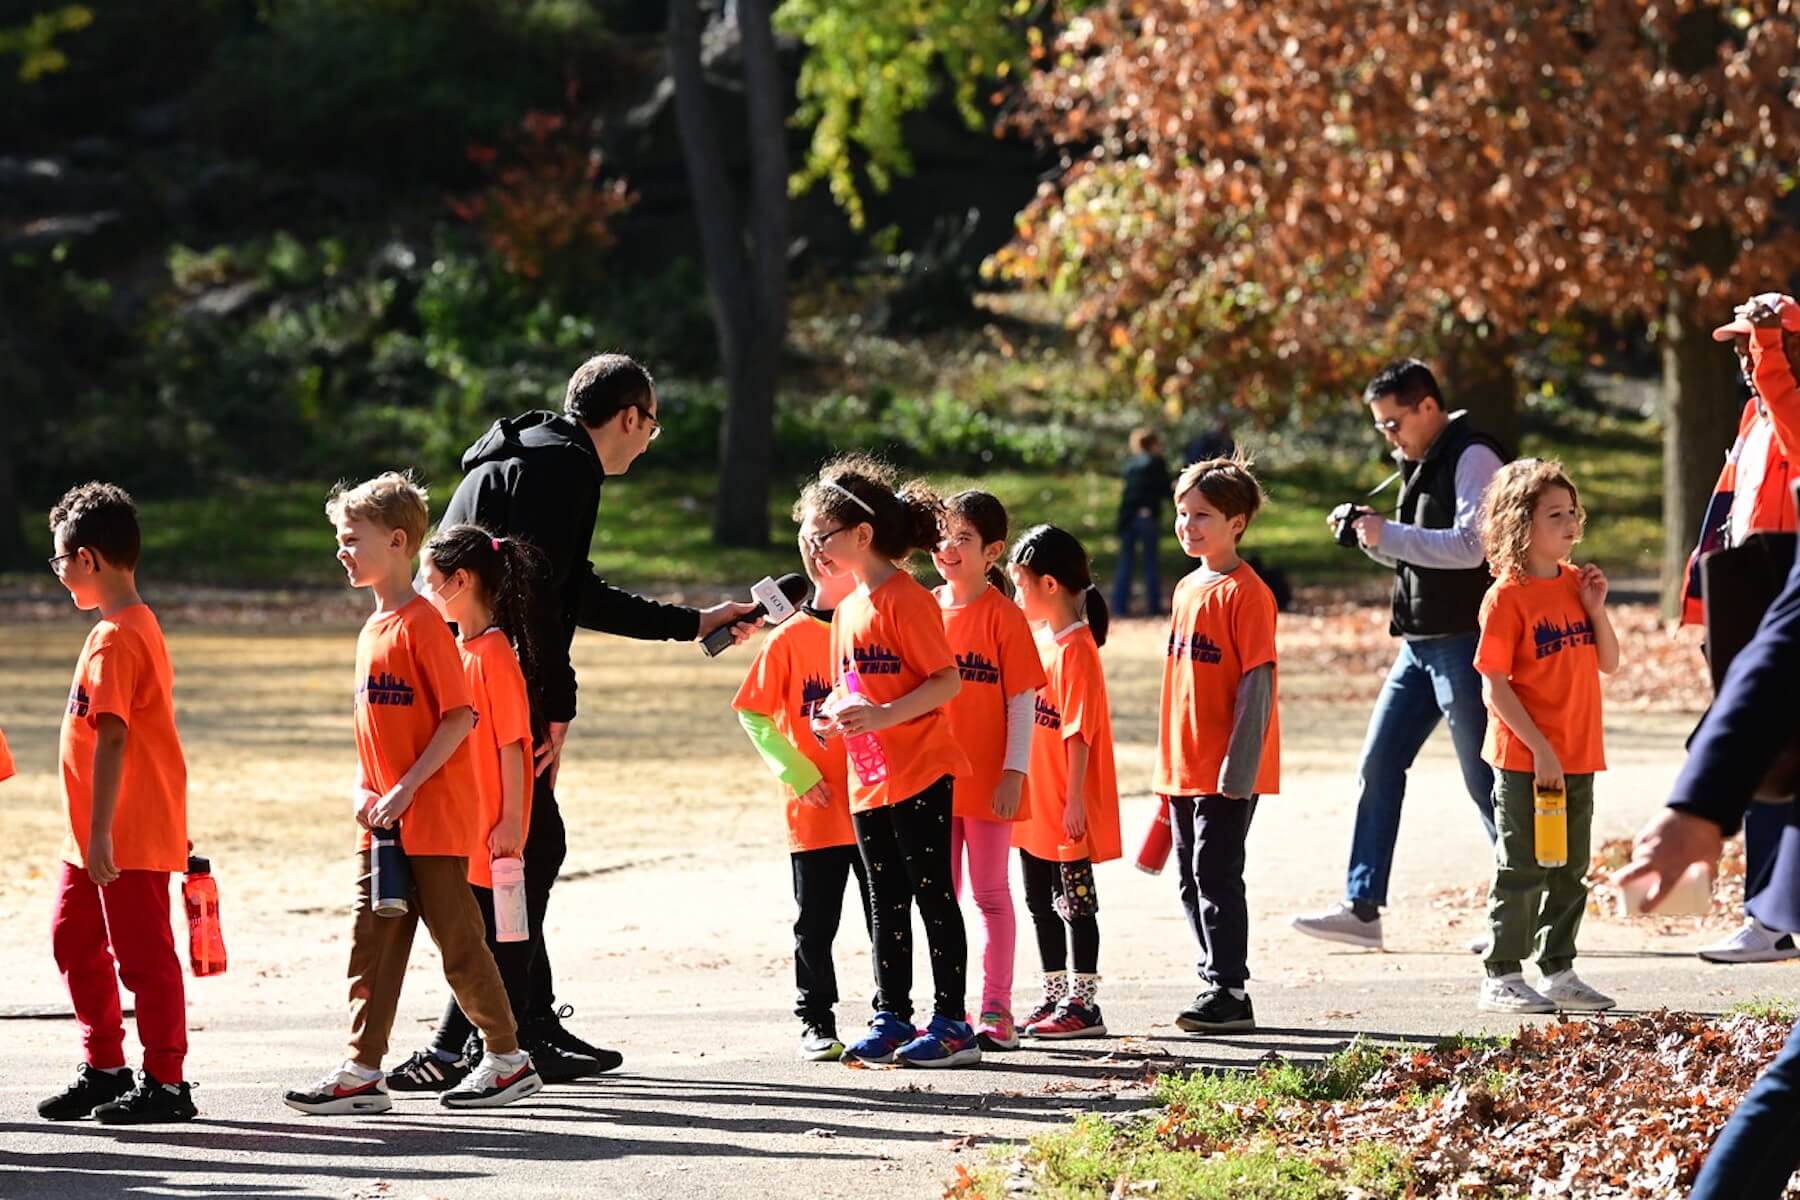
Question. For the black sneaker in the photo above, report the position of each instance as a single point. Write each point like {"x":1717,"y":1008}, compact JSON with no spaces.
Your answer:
{"x":1218,"y":1011}
{"x":92,"y":1088}
{"x":426,"y":1072}
{"x":552,"y":1031}
{"x":556,"y":1065}
{"x":150,"y":1103}
{"x":819,"y":1041}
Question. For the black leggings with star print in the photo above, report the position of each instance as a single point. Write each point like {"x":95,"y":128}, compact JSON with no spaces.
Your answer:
{"x":905,"y":848}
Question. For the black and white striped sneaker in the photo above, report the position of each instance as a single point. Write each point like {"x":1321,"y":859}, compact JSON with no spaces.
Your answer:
{"x":426,"y":1072}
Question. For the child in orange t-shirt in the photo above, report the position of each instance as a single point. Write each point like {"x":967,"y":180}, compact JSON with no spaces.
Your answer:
{"x":991,"y":720}
{"x":782,"y":693}
{"x":1218,"y":745}
{"x":482,"y":585}
{"x":889,"y":634}
{"x":7,"y":770}
{"x":124,"y":785}
{"x":1545,"y":641}
{"x":1074,"y":821}
{"x":414,"y":770}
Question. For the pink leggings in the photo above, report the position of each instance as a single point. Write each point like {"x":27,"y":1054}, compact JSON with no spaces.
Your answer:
{"x":989,"y":847}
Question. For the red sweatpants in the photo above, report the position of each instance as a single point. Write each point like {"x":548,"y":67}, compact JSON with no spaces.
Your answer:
{"x":127,"y":921}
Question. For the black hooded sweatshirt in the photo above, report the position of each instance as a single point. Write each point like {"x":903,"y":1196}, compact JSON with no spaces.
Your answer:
{"x":537,"y":477}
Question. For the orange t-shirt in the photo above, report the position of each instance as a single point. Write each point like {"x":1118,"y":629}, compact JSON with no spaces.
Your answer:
{"x":787,"y":683}
{"x":124,"y":670}
{"x":7,"y":770}
{"x":1536,"y":633}
{"x":895,"y":639}
{"x":408,"y":675}
{"x":1072,"y":704}
{"x":997,"y":658}
{"x":502,"y":718}
{"x":1221,"y":626}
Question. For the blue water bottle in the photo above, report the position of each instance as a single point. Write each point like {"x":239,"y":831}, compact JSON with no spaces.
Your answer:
{"x":390,"y":879}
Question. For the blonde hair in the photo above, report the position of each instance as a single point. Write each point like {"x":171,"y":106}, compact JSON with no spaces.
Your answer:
{"x":1227,"y":485}
{"x":1509,"y":506}
{"x":392,"y":500}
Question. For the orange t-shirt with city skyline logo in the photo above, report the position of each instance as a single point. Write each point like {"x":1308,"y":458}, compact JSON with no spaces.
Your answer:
{"x":997,"y":658}
{"x":502,"y":719}
{"x":894,"y":638}
{"x":1536,"y":634}
{"x":787,"y":683}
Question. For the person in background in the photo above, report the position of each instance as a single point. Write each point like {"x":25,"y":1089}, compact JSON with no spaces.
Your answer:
{"x":1140,"y":522}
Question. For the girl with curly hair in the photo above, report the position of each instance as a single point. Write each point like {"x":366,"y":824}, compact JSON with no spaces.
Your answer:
{"x":1545,"y":641}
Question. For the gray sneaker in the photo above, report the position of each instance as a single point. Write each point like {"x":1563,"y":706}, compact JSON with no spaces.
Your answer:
{"x":1566,"y":990}
{"x":1511,"y":994}
{"x":1341,"y":924}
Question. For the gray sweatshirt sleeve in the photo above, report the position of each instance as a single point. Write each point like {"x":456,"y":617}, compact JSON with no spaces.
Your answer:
{"x":1458,"y":547}
{"x":1249,"y":723}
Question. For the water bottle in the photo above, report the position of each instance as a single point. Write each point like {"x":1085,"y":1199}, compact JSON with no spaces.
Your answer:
{"x":1157,"y":842}
{"x":511,"y":921}
{"x":1550,"y":825}
{"x":390,"y":879}
{"x":206,"y":941}
{"x":866,"y":754}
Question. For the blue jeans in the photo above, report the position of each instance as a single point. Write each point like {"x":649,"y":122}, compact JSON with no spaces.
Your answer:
{"x":1758,"y":1149}
{"x":1430,"y":680}
{"x":1137,"y":536}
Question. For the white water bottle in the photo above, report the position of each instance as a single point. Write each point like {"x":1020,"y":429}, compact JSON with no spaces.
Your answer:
{"x":511,"y":921}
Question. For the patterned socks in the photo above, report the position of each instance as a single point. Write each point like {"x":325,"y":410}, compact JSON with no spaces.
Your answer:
{"x":1083,"y":988}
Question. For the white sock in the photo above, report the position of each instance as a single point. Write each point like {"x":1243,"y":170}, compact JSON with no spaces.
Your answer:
{"x":515,"y":1059}
{"x":114,"y":1070}
{"x":1238,"y":993}
{"x":352,"y":1067}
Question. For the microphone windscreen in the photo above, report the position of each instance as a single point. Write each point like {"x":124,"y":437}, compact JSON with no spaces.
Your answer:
{"x":795,"y":587}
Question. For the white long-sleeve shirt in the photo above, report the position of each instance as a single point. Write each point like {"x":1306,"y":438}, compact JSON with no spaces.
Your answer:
{"x":1455,"y":548}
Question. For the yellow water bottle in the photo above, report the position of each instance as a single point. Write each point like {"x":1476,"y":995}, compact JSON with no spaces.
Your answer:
{"x":1551,"y":825}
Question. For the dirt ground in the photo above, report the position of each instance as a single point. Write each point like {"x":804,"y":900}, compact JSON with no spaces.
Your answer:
{"x":670,"y":932}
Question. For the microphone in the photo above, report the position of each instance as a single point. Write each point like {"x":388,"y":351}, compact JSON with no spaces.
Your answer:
{"x":775,"y":599}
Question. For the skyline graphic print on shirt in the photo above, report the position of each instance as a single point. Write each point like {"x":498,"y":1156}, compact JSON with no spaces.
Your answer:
{"x":1550,"y":638}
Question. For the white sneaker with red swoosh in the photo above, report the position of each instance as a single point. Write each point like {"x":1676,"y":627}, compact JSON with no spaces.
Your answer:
{"x":342,"y":1092}
{"x":498,"y":1079}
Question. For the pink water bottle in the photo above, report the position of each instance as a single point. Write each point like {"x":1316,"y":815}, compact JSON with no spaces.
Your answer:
{"x":511,"y":921}
{"x":866,"y":754}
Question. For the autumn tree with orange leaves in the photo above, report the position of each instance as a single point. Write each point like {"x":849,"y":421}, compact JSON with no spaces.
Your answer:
{"x":1261,"y":197}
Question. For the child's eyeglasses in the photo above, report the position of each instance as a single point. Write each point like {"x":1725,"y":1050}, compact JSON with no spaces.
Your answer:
{"x":816,"y":541}
{"x":56,"y":561}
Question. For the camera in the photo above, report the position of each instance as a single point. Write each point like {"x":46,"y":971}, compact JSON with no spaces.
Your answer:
{"x":1343,"y":519}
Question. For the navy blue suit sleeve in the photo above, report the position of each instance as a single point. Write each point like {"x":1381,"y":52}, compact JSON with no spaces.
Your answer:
{"x":1754,"y":718}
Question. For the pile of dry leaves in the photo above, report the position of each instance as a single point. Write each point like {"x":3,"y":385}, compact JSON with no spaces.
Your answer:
{"x":1600,"y":1108}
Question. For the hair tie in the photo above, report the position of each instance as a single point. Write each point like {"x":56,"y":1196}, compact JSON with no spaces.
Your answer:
{"x":495,"y":543}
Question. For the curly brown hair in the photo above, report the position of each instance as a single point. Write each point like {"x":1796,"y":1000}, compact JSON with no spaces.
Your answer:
{"x":858,"y":489}
{"x":1509,"y":506}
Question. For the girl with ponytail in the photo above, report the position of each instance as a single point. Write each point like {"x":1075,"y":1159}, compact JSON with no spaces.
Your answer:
{"x":894,"y":673}
{"x":991,"y":720}
{"x":482,"y":584}
{"x":1074,"y":820}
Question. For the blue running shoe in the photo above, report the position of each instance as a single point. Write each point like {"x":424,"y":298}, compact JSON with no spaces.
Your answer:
{"x":887,"y":1033}
{"x":945,"y":1043}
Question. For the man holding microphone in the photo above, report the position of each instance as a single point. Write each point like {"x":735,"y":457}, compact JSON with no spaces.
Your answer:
{"x":537,"y":477}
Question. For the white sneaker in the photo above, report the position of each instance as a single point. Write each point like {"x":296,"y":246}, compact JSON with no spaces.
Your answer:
{"x":1753,"y":942}
{"x":1566,"y":991}
{"x":496,"y":1080}
{"x":1341,"y":924}
{"x":1511,"y":994}
{"x":343,"y":1091}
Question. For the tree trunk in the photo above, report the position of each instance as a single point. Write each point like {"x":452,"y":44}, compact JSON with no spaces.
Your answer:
{"x":12,"y":533}
{"x":1479,"y":377}
{"x":1700,"y":417}
{"x":745,"y":256}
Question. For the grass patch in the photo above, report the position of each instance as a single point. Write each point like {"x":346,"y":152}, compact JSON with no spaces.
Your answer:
{"x":1776,"y":1008}
{"x":655,"y":525}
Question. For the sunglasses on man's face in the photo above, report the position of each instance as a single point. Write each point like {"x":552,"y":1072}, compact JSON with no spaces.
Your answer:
{"x":1391,"y":425}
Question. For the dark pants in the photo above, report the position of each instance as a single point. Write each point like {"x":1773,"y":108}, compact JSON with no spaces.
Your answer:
{"x":1137,"y":541}
{"x":1763,"y":824}
{"x":819,"y":880}
{"x":1210,"y":832}
{"x":514,"y":961}
{"x":546,"y":845}
{"x":1759,"y":1148}
{"x":905,"y":848}
{"x":1058,"y":938}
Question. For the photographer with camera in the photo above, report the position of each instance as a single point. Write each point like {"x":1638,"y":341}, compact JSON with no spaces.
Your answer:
{"x":1433,"y":545}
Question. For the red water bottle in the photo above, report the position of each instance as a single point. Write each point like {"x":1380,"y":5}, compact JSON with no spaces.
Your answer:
{"x":1157,"y":842}
{"x":206,"y":941}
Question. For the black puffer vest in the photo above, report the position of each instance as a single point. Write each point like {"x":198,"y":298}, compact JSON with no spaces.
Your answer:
{"x":1430,"y":602}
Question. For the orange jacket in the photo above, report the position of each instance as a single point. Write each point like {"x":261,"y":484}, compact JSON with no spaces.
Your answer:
{"x":1772,"y":510}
